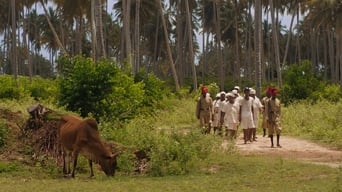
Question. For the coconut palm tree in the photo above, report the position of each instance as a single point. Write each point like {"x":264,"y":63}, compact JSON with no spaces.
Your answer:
{"x":168,"y":48}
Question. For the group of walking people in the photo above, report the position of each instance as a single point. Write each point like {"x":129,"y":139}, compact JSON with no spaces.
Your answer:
{"x":229,"y":111}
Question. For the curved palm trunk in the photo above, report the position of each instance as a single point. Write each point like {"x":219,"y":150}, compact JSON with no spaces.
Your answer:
{"x":172,"y":66}
{"x":288,"y":40}
{"x":191,"y":51}
{"x":59,"y":43}
{"x":276,"y":44}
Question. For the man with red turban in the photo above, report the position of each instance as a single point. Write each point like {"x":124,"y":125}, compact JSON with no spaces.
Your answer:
{"x":204,"y":110}
{"x":264,"y":102}
{"x":273,"y":112}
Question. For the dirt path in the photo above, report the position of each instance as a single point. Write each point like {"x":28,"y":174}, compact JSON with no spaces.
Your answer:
{"x":292,"y":148}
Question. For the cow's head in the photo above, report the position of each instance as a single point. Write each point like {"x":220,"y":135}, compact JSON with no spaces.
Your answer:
{"x":109,"y":164}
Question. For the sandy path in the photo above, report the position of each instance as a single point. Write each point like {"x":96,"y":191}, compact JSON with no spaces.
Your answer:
{"x":292,"y":148}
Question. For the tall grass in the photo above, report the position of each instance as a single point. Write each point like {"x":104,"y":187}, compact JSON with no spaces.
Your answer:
{"x":321,"y":121}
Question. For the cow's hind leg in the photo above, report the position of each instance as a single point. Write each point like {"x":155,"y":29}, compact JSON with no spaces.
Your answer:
{"x":91,"y":168}
{"x":66,"y":163}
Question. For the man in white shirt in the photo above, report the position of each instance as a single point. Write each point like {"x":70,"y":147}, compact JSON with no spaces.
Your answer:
{"x":257,"y":108}
{"x":246,"y":114}
{"x":230,"y":116}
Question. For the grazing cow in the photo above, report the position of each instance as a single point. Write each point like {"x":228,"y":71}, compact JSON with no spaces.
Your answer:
{"x":78,"y":136}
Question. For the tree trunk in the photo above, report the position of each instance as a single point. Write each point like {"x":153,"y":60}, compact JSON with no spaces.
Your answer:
{"x":191,"y":49}
{"x":137,"y":37}
{"x":276,"y":44}
{"x":288,"y":40}
{"x":99,"y":29}
{"x":332,"y":56}
{"x":59,"y":43}
{"x":325,"y":55}
{"x":217,"y":6}
{"x":169,"y":53}
{"x":93,"y":31}
{"x":237,"y":41}
{"x":180,"y":58}
{"x":299,"y":55}
{"x":14,"y":42}
{"x":258,"y":44}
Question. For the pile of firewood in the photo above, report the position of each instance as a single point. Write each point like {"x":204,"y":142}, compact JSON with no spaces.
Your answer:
{"x":41,"y":131}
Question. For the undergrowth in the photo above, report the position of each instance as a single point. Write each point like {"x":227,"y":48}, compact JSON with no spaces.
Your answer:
{"x":321,"y":122}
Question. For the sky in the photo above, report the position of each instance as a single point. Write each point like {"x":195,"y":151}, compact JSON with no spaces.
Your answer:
{"x":285,"y":20}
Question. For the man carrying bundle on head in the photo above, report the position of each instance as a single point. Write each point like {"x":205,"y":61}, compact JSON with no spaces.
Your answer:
{"x":204,"y":110}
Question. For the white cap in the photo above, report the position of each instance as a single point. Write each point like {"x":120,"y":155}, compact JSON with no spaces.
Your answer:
{"x":237,"y":88}
{"x":235,"y":92}
{"x":223,"y":93}
{"x":252,"y":91}
{"x":230,"y":95}
{"x":218,"y":95}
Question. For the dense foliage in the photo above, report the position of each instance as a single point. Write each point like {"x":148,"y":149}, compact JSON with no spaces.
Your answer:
{"x":39,"y":88}
{"x":102,"y":90}
{"x":302,"y":82}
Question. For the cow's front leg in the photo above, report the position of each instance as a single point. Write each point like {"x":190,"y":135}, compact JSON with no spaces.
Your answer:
{"x":75,"y":156}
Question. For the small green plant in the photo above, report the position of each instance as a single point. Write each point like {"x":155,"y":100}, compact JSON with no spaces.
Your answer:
{"x":8,"y":167}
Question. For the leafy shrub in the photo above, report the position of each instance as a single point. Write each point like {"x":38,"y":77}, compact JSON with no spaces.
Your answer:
{"x":10,"y":89}
{"x":300,"y":82}
{"x":155,"y":89}
{"x":100,"y":89}
{"x":8,"y":167}
{"x":329,"y":92}
{"x":173,"y":151}
{"x":38,"y":88}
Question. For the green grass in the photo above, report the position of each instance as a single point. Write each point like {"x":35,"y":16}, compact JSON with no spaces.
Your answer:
{"x":222,"y":172}
{"x":219,"y":171}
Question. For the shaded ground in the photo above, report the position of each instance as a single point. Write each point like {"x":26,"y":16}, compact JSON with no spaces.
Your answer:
{"x":292,"y":148}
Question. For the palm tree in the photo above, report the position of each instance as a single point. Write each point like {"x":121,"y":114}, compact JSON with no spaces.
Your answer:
{"x":60,"y":45}
{"x":14,"y":60}
{"x":169,"y":53}
{"x":217,"y":21}
{"x":191,"y":49}
{"x":258,"y":43}
{"x":276,"y":44}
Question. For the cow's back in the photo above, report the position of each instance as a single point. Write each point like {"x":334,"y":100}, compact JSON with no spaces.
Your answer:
{"x":69,"y":130}
{"x":82,"y":134}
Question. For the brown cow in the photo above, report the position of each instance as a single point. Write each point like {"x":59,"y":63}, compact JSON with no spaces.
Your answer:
{"x":78,"y":136}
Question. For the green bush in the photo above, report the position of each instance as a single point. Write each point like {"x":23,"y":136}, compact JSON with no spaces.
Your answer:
{"x":155,"y":89}
{"x":10,"y":89}
{"x":8,"y":167}
{"x":38,"y":88}
{"x":299,"y":82}
{"x":173,"y":151}
{"x":329,"y":92}
{"x":99,"y":89}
